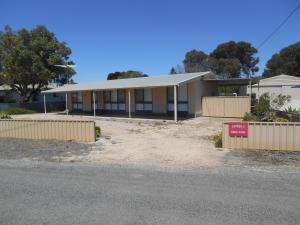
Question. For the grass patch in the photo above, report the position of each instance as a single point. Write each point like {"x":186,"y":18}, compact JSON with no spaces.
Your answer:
{"x":98,"y":132}
{"x":4,"y":117}
{"x":217,"y":139}
{"x":16,"y":111}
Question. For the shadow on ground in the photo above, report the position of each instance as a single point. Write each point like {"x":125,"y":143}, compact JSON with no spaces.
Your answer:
{"x":42,"y":150}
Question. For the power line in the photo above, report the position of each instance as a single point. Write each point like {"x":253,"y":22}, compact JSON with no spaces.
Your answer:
{"x":279,"y":26}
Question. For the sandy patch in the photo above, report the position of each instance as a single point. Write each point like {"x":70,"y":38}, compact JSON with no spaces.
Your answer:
{"x":155,"y":142}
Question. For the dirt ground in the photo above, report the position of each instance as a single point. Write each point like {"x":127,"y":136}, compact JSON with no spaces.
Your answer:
{"x":148,"y":142}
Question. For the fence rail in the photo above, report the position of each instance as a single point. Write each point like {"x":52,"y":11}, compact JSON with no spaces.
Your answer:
{"x":225,"y":106}
{"x":77,"y":130}
{"x":265,"y":135}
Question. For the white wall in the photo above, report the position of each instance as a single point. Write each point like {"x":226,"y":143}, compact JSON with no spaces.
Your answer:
{"x":293,"y":91}
{"x":196,"y":90}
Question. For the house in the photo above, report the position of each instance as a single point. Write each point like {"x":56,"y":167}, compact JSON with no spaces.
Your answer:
{"x":281,"y":84}
{"x":7,"y":95}
{"x":156,"y":95}
{"x":9,"y":98}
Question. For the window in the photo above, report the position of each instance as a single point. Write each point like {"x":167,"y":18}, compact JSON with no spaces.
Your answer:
{"x":114,"y":95}
{"x":182,"y":93}
{"x":182,"y":98}
{"x":170,"y":94}
{"x":143,"y":100}
{"x":106,"y":96}
{"x":139,"y":95}
{"x":77,"y":101}
{"x":96,"y":100}
{"x":121,"y":96}
{"x":121,"y":100}
{"x":147,"y":95}
{"x":115,"y":100}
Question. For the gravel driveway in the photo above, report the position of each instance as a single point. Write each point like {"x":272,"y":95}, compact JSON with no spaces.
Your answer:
{"x":45,"y":150}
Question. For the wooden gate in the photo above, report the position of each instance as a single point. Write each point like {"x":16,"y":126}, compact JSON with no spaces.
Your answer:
{"x":225,"y":106}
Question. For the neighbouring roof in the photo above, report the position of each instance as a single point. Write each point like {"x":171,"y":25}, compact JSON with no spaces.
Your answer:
{"x":235,"y":81}
{"x":279,"y":80}
{"x":141,"y":82}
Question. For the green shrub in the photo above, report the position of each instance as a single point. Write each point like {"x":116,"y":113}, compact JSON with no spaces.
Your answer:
{"x":263,"y":104}
{"x":217,"y":139}
{"x":250,"y":117}
{"x":269,"y":116}
{"x":292,"y":110}
{"x":10,"y":101}
{"x":15,"y":111}
{"x":280,"y":119}
{"x":4,"y":116}
{"x":98,"y":131}
{"x":278,"y":101}
{"x":270,"y":102}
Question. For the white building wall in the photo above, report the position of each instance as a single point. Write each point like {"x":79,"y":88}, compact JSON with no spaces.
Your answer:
{"x":293,"y":91}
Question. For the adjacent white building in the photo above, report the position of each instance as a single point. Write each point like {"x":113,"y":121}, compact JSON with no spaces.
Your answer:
{"x":7,"y":95}
{"x":281,"y":84}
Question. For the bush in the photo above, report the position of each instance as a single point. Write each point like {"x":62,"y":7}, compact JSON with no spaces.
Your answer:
{"x":250,"y":117}
{"x":217,"y":139}
{"x":282,"y":120}
{"x":4,"y":116}
{"x":10,"y":101}
{"x":292,"y":110}
{"x":269,"y":116}
{"x":263,"y":105}
{"x":15,"y":111}
{"x":279,"y":101}
{"x":98,"y":131}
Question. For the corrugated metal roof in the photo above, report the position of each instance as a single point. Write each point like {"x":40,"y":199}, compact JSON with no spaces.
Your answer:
{"x":141,"y":82}
{"x":279,"y":81}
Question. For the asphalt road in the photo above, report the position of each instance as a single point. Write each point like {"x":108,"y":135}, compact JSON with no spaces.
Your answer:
{"x":57,"y":193}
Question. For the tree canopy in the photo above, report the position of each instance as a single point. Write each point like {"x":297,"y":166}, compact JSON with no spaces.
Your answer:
{"x":28,"y":59}
{"x":287,"y":61}
{"x":125,"y":74}
{"x":230,"y":60}
{"x":195,"y":61}
{"x":234,"y":59}
{"x":172,"y":71}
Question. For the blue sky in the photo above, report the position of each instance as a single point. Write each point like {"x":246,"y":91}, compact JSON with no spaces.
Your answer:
{"x":152,"y":36}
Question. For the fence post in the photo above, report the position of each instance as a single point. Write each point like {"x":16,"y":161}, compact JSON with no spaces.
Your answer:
{"x":45,"y":106}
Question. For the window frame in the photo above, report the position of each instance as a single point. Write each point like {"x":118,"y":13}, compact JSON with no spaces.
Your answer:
{"x":97,"y":102}
{"x":115,"y":103}
{"x":76,"y":101}
{"x":171,"y":102}
{"x":143,"y":102}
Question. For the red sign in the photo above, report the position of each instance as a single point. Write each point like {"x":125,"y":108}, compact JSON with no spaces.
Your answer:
{"x":238,"y":129}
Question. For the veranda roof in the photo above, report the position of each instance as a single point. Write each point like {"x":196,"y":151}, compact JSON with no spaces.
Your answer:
{"x":141,"y":82}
